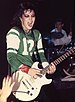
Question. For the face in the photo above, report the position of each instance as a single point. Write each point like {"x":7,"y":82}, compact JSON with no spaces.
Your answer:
{"x":59,"y":25}
{"x":28,"y":20}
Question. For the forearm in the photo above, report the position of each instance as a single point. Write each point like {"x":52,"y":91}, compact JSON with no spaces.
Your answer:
{"x":17,"y":60}
{"x":13,"y":61}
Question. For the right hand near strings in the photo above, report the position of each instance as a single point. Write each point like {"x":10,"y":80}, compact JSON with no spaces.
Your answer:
{"x":34,"y":72}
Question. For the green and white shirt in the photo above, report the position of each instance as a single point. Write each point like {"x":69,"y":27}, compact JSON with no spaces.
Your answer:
{"x":20,"y":48}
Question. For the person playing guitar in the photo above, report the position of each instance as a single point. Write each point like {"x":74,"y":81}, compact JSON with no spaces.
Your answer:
{"x":24,"y":45}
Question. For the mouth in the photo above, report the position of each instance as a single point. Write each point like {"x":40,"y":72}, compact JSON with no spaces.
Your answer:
{"x":30,"y":24}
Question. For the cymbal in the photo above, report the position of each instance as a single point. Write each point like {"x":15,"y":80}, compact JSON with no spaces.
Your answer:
{"x":56,"y":35}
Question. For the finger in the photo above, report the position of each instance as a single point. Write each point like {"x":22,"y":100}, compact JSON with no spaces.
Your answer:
{"x":53,"y":66}
{"x":9,"y":81}
{"x":35,"y":76}
{"x":52,"y":71}
{"x":3,"y":84}
{"x":13,"y":76}
{"x":12,"y":85}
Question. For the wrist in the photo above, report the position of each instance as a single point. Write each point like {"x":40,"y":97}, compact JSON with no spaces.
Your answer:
{"x":24,"y":68}
{"x":3,"y":99}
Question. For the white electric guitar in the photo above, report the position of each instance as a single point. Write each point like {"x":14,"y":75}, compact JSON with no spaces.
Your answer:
{"x":27,"y":88}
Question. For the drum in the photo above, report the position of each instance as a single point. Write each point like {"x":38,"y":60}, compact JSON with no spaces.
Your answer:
{"x":47,"y":42}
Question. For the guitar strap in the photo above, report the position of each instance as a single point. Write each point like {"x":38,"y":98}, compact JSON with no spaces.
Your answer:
{"x":35,"y":57}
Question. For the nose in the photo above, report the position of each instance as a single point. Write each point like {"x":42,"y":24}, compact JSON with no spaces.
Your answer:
{"x":30,"y":18}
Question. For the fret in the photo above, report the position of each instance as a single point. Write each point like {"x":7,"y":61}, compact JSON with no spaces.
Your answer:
{"x":60,"y":59}
{"x":67,"y":53}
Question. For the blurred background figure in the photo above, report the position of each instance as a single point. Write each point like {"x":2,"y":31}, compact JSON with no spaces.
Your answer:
{"x":59,"y":35}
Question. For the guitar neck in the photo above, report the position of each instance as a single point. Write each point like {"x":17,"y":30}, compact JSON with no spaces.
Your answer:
{"x":60,"y":59}
{"x":64,"y":56}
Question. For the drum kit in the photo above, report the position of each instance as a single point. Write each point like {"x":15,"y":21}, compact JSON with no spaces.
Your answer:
{"x":53,"y":52}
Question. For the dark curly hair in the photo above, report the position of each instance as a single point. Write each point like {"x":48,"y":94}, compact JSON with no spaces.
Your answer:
{"x":25,"y":5}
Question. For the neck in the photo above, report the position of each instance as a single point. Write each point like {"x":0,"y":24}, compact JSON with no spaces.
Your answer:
{"x":26,"y":30}
{"x":59,"y":30}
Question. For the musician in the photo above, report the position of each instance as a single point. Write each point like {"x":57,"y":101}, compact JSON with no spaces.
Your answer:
{"x":60,"y":36}
{"x":24,"y":43}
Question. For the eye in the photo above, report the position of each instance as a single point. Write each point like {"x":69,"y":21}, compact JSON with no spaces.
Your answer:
{"x":26,"y":15}
{"x":33,"y":15}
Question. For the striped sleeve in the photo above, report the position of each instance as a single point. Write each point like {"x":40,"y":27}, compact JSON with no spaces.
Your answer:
{"x":12,"y":40}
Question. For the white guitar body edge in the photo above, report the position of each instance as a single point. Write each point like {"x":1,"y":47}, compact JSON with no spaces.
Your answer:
{"x":29,"y":87}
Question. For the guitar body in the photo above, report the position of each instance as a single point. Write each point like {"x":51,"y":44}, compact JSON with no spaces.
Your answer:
{"x":27,"y":88}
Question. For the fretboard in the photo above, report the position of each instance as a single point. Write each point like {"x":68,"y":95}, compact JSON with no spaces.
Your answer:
{"x":60,"y":59}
